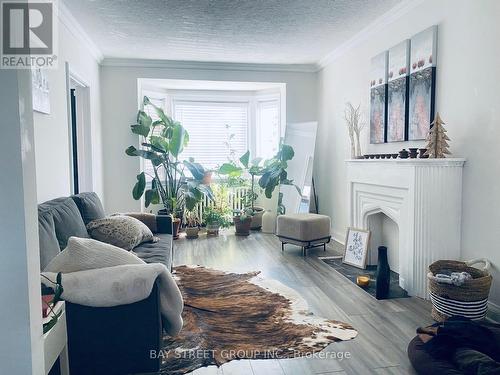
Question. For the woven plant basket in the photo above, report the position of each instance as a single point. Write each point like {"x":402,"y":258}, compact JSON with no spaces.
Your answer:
{"x":469,"y":299}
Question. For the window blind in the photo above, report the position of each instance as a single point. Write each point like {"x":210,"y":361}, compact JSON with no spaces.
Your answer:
{"x":268,"y":128}
{"x":209,"y":125}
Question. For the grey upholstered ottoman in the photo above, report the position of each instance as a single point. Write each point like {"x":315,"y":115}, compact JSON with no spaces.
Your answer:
{"x":305,"y":230}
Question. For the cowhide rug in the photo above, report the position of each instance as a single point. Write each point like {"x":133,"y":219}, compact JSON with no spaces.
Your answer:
{"x":242,"y":316}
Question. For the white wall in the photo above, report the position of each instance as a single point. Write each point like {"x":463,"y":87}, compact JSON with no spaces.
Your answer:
{"x":20,"y":321}
{"x":468,"y":100}
{"x":52,"y":131}
{"x":120,"y":104}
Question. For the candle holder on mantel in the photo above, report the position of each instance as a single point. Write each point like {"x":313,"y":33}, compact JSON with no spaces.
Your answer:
{"x":413,"y":153}
{"x":403,"y":154}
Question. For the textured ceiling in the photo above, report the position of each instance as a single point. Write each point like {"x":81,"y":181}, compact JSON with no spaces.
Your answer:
{"x":244,"y":31}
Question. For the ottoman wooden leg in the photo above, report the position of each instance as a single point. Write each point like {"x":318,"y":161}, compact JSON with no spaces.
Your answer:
{"x":282,"y":246}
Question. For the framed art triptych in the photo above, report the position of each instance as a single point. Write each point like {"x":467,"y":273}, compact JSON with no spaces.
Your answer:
{"x":403,"y":89}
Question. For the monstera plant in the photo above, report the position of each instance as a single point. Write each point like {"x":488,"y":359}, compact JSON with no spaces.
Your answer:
{"x":162,"y":142}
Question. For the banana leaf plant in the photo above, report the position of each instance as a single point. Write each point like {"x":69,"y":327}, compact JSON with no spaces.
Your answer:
{"x":162,"y":142}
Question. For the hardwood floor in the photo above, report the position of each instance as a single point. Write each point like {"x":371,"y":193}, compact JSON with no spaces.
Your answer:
{"x":384,"y":327}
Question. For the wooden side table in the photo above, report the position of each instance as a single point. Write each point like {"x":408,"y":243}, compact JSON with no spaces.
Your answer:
{"x":55,"y":341}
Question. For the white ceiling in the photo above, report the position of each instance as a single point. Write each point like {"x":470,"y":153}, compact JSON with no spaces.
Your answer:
{"x":240,"y":31}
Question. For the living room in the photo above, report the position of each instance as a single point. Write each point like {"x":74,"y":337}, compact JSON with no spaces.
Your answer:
{"x":242,"y":187}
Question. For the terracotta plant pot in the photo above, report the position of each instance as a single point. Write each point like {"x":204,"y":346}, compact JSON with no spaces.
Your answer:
{"x":242,"y":227}
{"x":177,"y":224}
{"x":192,"y":232}
{"x":256,"y":222}
{"x":213,"y":229}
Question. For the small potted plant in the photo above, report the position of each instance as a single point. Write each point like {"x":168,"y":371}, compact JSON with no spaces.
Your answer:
{"x":192,"y":224}
{"x":215,"y":218}
{"x":242,"y":220}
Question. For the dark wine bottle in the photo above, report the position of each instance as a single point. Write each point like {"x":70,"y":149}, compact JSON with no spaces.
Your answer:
{"x":383,"y":274}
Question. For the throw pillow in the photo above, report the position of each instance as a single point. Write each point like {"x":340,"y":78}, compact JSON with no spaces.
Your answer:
{"x":87,"y":254}
{"x":144,"y":217}
{"x":122,"y":231}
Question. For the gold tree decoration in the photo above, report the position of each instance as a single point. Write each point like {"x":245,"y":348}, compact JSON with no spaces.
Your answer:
{"x":355,"y":125}
{"x":437,"y":140}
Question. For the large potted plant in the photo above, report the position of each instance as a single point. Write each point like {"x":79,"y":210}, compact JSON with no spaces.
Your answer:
{"x":274,"y":174}
{"x":176,"y":184}
{"x":234,"y":170}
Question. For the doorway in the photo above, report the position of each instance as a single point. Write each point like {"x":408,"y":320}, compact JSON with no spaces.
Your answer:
{"x":80,"y":144}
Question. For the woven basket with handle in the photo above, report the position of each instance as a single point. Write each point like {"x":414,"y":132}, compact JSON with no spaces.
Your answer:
{"x":469,"y":299}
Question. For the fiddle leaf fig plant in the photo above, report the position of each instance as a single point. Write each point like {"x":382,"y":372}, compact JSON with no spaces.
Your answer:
{"x":237,"y":169}
{"x":274,"y":172}
{"x":162,"y":142}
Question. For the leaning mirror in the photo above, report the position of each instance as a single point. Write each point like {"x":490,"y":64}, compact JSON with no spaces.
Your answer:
{"x":302,"y":137}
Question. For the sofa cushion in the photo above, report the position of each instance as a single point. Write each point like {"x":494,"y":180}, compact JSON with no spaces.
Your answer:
{"x":49,"y":246}
{"x":90,"y":206}
{"x":148,"y":219}
{"x":120,"y":230}
{"x":156,"y":252}
{"x":67,"y":219}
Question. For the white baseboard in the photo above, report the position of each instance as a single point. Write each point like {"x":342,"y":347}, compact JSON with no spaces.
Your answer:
{"x":337,"y":236}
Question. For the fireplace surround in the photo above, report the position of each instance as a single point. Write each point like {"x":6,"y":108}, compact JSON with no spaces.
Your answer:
{"x":423,"y":197}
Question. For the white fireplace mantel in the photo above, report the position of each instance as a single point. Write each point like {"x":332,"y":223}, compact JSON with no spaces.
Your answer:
{"x":423,"y":197}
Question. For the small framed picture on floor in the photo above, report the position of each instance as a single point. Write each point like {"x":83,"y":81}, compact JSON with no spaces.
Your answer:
{"x":356,"y":247}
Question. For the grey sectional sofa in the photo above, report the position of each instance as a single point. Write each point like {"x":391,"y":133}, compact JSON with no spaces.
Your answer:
{"x":105,"y":340}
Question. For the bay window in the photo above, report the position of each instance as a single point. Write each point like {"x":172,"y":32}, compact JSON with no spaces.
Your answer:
{"x":222,"y":126}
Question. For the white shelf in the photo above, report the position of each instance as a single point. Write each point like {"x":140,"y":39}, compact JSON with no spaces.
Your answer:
{"x":55,"y":341}
{"x":416,"y":161}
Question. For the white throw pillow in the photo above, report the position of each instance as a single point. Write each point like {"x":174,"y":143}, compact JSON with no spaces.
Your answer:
{"x":87,"y":254}
{"x":120,"y":230}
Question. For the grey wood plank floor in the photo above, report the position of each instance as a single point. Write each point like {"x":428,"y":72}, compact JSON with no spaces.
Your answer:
{"x":384,"y":327}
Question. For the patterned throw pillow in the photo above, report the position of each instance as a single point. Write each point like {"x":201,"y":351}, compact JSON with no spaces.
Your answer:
{"x":122,"y":231}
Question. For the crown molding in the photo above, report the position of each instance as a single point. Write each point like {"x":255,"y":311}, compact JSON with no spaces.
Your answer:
{"x":68,"y":20}
{"x":205,"y":65}
{"x":387,"y":18}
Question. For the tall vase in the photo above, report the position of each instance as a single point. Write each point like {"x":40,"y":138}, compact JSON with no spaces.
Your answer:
{"x":383,"y":274}
{"x":268,"y":222}
{"x":358,"y":146}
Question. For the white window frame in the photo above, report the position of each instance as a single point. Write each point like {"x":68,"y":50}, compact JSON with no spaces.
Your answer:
{"x":251,"y":98}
